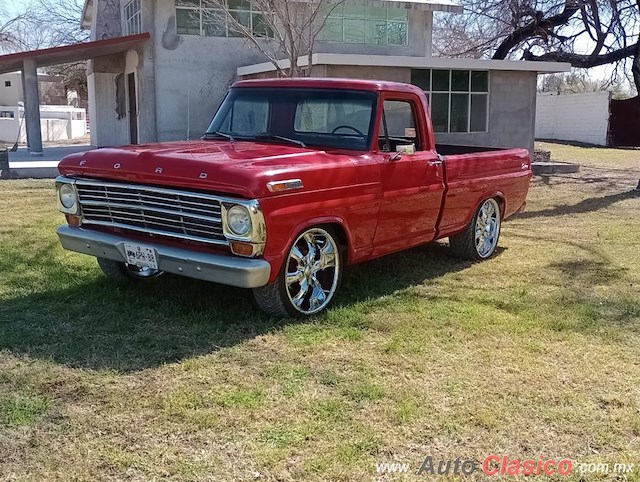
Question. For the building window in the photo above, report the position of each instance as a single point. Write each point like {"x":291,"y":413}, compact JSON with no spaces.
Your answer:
{"x":208,"y":18}
{"x":7,"y":83}
{"x":459,"y":99}
{"x":133,"y":17}
{"x":7,"y":114}
{"x":358,"y":24}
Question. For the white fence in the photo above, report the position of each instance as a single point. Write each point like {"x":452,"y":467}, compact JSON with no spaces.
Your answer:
{"x":57,"y":123}
{"x":573,"y":117}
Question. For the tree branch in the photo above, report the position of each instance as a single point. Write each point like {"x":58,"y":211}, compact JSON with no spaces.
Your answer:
{"x":538,"y":26}
{"x":585,"y":61}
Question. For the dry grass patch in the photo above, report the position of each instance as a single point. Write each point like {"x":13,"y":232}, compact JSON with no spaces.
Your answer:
{"x":535,"y":352}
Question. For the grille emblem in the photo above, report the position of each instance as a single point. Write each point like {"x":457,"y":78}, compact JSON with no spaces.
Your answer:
{"x":158,"y":170}
{"x":82,"y":163}
{"x":204,"y":175}
{"x":116,"y":165}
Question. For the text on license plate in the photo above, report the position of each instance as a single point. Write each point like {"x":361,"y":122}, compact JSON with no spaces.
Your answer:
{"x":141,"y":256}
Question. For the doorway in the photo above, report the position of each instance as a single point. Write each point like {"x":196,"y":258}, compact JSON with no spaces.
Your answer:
{"x":133,"y":108}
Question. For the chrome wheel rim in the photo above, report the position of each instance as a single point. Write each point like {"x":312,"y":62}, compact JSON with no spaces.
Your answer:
{"x":487,"y":228}
{"x":138,"y":272}
{"x":312,"y":271}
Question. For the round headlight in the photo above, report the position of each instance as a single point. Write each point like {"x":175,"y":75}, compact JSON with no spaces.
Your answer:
{"x":67,"y":196}
{"x":239,"y":220}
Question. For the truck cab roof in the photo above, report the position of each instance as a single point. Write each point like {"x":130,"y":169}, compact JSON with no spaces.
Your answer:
{"x":333,"y":83}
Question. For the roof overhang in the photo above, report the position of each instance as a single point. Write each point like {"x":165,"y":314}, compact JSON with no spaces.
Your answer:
{"x":71,"y":53}
{"x":412,"y":62}
{"x":429,"y":5}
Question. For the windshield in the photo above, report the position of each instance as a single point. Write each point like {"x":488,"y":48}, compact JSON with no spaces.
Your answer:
{"x":322,"y":118}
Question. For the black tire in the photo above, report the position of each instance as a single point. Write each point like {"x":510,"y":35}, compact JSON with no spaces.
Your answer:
{"x":124,"y":273}
{"x":276,"y":299}
{"x":465,"y":244}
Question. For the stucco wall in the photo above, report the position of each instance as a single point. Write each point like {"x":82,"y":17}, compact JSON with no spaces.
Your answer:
{"x":574,"y":117}
{"x":192,"y":73}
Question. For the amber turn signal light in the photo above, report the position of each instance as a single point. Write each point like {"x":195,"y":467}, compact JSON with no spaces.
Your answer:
{"x":73,"y":220}
{"x":241,"y":249}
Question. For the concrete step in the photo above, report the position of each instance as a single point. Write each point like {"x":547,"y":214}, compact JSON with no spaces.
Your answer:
{"x":547,"y":168}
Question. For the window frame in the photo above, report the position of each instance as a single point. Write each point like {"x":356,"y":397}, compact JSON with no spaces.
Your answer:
{"x":133,"y":17}
{"x":470,"y":93}
{"x":365,"y":18}
{"x":227,"y":29}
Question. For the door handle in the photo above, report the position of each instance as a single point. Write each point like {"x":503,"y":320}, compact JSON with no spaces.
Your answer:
{"x":434,"y":163}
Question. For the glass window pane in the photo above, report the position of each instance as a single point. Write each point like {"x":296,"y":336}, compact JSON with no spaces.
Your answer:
{"x":459,"y":113}
{"x":354,"y":31}
{"x":460,"y":80}
{"x":188,"y":3}
{"x":260,"y":26}
{"x":401,"y":14}
{"x":188,"y":21}
{"x":440,"y":112}
{"x":479,"y":109}
{"x":335,"y":10}
{"x":479,"y":81}
{"x":376,"y":32}
{"x":353,"y":11}
{"x":239,"y":5}
{"x":333,"y":30}
{"x":399,"y":116}
{"x":397,"y":33}
{"x":421,"y":78}
{"x":377,"y":13}
{"x":242,"y":18}
{"x":214,"y":23}
{"x":441,"y":80}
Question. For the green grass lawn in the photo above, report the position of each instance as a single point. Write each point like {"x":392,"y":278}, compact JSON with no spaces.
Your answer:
{"x":534,"y":352}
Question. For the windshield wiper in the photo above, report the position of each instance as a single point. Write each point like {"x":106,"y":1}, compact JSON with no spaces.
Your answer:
{"x":208,"y":135}
{"x":266,"y":137}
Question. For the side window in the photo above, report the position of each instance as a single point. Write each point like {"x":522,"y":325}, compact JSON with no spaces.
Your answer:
{"x":398,"y":126}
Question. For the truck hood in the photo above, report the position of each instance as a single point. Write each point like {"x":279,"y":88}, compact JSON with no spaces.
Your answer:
{"x":239,"y":168}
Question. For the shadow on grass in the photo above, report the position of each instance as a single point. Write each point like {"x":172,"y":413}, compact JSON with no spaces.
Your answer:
{"x":99,"y":325}
{"x":585,"y":206}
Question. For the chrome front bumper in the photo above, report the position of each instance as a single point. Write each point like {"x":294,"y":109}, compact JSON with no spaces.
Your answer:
{"x":228,"y":270}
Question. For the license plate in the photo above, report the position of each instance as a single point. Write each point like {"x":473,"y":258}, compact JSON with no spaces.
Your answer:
{"x":141,"y":256}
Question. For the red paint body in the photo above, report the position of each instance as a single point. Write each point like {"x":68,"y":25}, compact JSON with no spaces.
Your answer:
{"x":382,"y":205}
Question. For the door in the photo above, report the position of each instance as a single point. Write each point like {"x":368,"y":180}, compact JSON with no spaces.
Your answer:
{"x":412,"y":179}
{"x":133,"y":108}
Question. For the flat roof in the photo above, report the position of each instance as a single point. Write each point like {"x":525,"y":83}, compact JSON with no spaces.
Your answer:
{"x":71,"y":53}
{"x":412,"y":62}
{"x":430,"y":5}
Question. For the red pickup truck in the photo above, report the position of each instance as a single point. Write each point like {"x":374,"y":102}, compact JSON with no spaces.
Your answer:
{"x":294,"y":180}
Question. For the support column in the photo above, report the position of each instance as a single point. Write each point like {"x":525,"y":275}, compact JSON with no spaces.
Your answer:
{"x":32,"y":106}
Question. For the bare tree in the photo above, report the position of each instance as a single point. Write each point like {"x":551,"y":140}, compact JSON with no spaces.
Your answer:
{"x":585,"y":33}
{"x":282,"y":28}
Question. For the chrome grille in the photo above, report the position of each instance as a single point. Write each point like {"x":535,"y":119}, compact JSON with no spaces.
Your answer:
{"x":152,"y":210}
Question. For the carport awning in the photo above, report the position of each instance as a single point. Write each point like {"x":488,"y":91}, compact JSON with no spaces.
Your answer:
{"x":71,"y":53}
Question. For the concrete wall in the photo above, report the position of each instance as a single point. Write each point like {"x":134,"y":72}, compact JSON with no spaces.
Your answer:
{"x":109,"y":129}
{"x":574,"y":117}
{"x":57,"y":123}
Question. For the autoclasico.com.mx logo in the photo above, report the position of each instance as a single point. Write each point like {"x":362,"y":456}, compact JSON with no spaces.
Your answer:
{"x":501,"y":465}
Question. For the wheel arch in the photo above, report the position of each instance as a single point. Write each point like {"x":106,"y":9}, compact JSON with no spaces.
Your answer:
{"x":337,"y":223}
